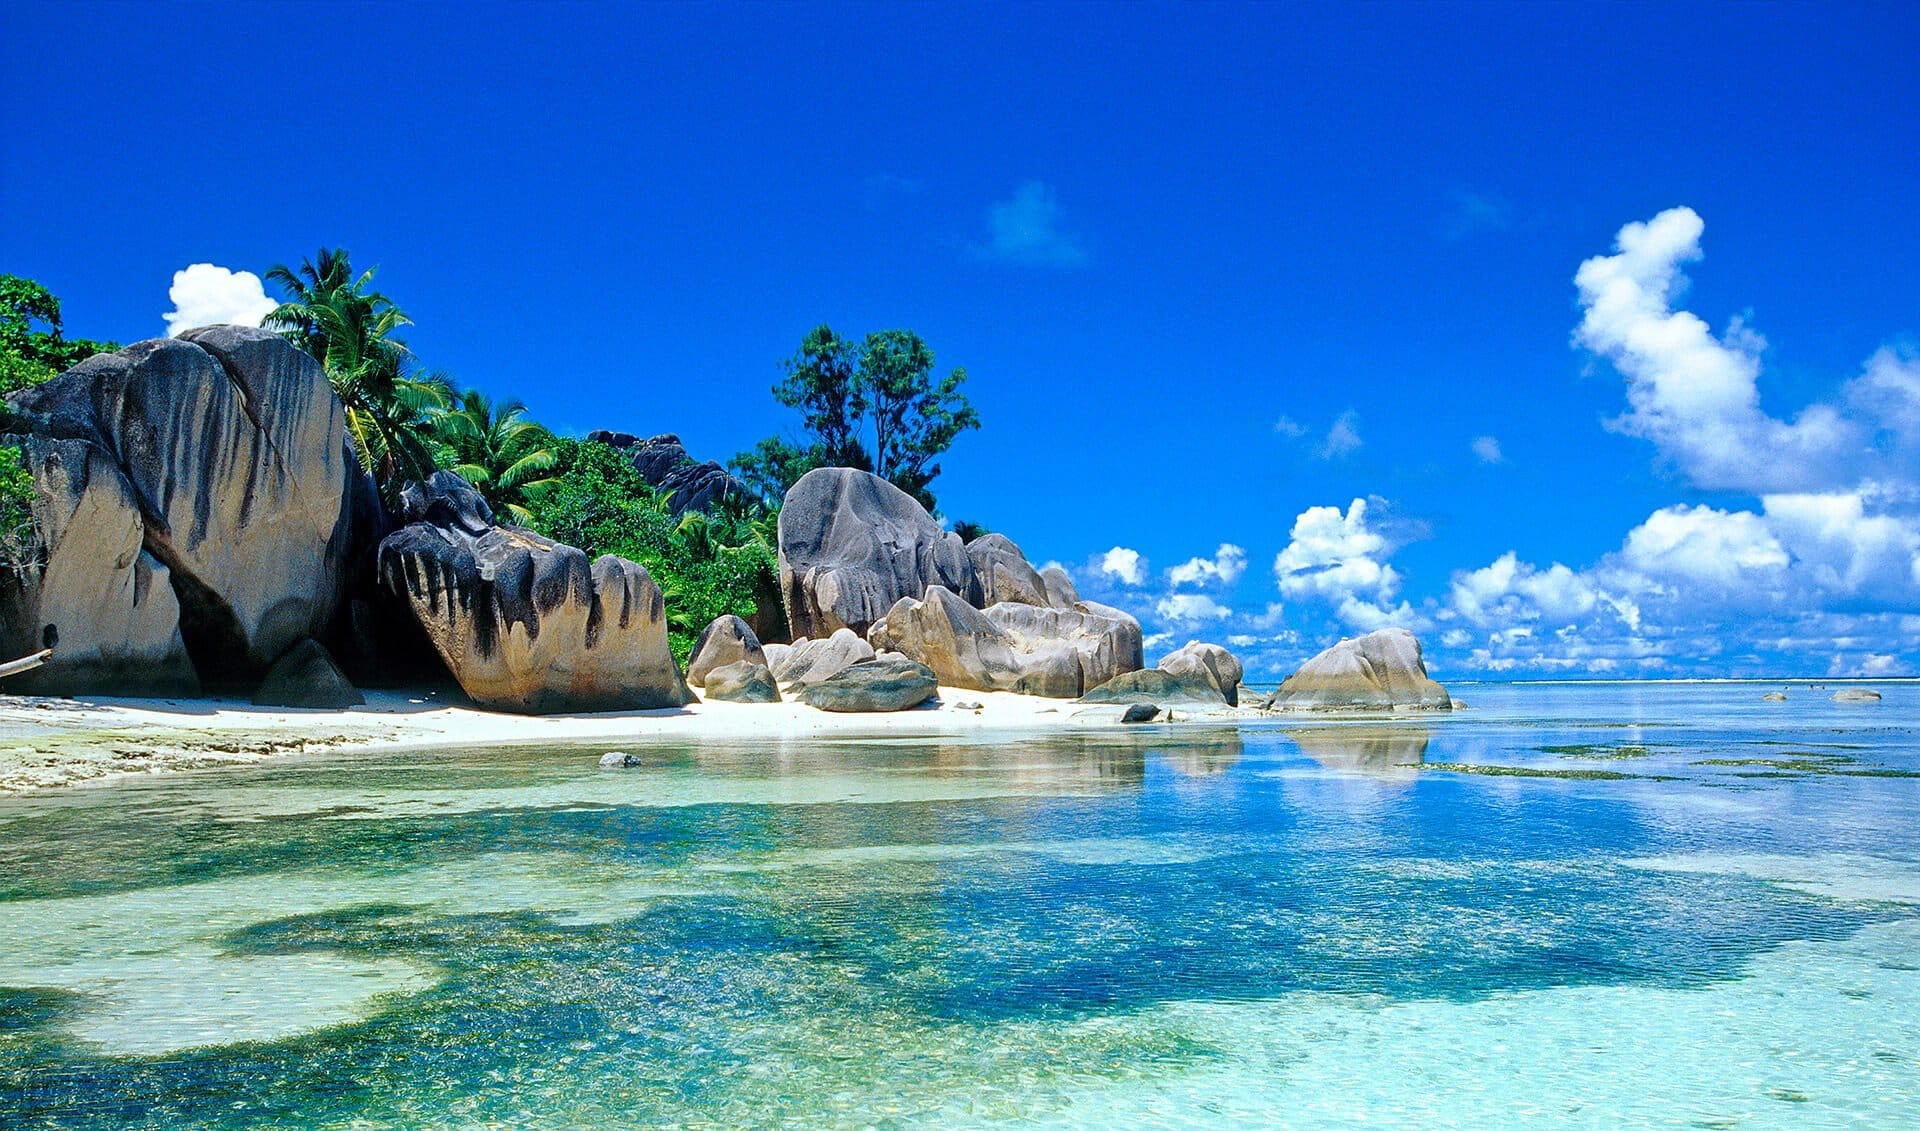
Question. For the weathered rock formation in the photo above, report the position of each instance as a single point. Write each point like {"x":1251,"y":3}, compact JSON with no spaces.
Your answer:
{"x":230,"y":447}
{"x":1210,"y":662}
{"x":853,"y":544}
{"x":964,"y":648}
{"x":1156,"y":686}
{"x":1001,"y":573}
{"x":524,"y":623}
{"x":1855,"y":695}
{"x":876,"y":685}
{"x":664,"y":463}
{"x":727,"y":640}
{"x":1061,"y":593}
{"x":306,"y":677}
{"x":810,"y":661}
{"x":742,"y":681}
{"x":1379,"y":671}
{"x":1105,"y":640}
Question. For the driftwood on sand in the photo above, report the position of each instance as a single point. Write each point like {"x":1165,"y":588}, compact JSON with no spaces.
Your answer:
{"x":25,"y":663}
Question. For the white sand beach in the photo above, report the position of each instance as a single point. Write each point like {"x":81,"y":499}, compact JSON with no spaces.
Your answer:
{"x":48,"y":743}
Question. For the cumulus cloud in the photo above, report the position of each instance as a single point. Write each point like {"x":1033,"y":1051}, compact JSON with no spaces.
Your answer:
{"x":1487,"y":450}
{"x":1510,"y":592}
{"x":207,"y":295}
{"x":1694,"y":395}
{"x":1124,"y":565}
{"x":1340,"y":559}
{"x":1188,"y":608}
{"x":1289,"y":427}
{"x":1700,"y":544}
{"x":1224,"y":568}
{"x":1026,"y":229}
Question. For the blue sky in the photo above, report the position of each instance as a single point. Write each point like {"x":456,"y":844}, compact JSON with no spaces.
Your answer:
{"x":1212,"y":271}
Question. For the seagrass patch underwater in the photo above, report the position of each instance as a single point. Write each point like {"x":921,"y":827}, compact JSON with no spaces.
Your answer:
{"x":1302,"y":924}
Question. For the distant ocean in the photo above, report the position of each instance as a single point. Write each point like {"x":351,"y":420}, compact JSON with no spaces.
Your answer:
{"x":1645,"y":904}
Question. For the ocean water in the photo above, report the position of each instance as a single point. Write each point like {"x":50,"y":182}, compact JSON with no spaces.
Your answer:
{"x":1588,"y":906}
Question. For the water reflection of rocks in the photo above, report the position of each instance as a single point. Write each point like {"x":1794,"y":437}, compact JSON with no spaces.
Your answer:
{"x":1367,"y":750}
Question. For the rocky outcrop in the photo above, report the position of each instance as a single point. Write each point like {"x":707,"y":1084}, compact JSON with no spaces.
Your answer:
{"x":102,"y":603}
{"x":1855,"y":695}
{"x":964,"y":648}
{"x":852,"y":545}
{"x":1156,"y":686}
{"x":306,"y":677}
{"x":809,"y":661}
{"x":1210,"y":662}
{"x":1105,"y":640}
{"x":741,"y":682}
{"x":1061,"y":593}
{"x":877,"y":685}
{"x":524,"y":623}
{"x":727,"y":640}
{"x":231,"y":447}
{"x":1379,"y":671}
{"x":1001,"y":573}
{"x":664,"y":463}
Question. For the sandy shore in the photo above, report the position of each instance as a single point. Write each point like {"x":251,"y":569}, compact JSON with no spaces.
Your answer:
{"x":48,"y":743}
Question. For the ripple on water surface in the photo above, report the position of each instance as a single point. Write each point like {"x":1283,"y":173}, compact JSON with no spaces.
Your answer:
{"x":1298,"y":925}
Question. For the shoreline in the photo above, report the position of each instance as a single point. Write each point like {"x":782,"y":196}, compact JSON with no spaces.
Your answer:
{"x":48,"y":743}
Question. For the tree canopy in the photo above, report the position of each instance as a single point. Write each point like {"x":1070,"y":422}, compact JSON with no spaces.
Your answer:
{"x":508,"y":458}
{"x":874,"y":405}
{"x":33,"y":345}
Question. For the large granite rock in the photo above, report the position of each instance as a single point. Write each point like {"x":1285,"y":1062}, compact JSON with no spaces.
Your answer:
{"x":853,"y":544}
{"x":103,"y":604}
{"x":1156,"y":686}
{"x":1210,"y":662}
{"x":1379,"y":671}
{"x":306,"y":677}
{"x":964,"y":648}
{"x":1061,"y":593}
{"x":232,"y":448}
{"x":664,"y":463}
{"x":524,"y":623}
{"x":1106,"y":640}
{"x":727,"y":640}
{"x":742,"y":681}
{"x":876,"y":685}
{"x":1001,"y":573}
{"x":809,"y":661}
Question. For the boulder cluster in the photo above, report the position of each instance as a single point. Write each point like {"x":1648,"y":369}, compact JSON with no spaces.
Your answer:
{"x":203,"y":524}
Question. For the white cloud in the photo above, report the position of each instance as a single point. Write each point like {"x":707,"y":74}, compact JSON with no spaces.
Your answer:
{"x":1693,"y":395}
{"x":1487,"y":449}
{"x":1723,"y":549}
{"x":1888,"y":390}
{"x":1511,"y":592}
{"x":1289,"y":427}
{"x":1224,"y":568}
{"x":1333,"y":555}
{"x":1187,"y":608}
{"x":1343,"y":438}
{"x":1845,"y":550}
{"x":1125,"y":565}
{"x":1026,"y":229}
{"x":206,"y":295}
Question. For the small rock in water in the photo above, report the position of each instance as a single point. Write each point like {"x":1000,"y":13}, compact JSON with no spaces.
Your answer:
{"x":1856,"y":695}
{"x":1140,"y":713}
{"x":1775,"y":697}
{"x":618,"y":760}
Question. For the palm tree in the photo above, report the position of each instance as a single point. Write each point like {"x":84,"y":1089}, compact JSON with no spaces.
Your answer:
{"x":505,"y":456}
{"x":349,"y":328}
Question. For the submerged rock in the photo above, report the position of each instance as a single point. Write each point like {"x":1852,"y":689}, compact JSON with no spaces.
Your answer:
{"x":742,"y":681}
{"x":306,"y":677}
{"x":1856,"y":695}
{"x":809,"y":661}
{"x":1210,"y":662}
{"x":1774,"y":697}
{"x":618,"y":760}
{"x":877,"y":685}
{"x":525,"y":623}
{"x":852,"y":545}
{"x":727,"y":640}
{"x":1379,"y":671}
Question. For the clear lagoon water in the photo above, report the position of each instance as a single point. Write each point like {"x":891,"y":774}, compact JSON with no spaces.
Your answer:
{"x":1580,"y":905}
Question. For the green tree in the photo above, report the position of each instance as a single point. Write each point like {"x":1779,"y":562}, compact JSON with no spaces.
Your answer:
{"x":29,"y":354}
{"x":341,"y":322}
{"x":706,"y":566}
{"x":19,"y":541}
{"x":508,"y":458}
{"x":875,"y":406}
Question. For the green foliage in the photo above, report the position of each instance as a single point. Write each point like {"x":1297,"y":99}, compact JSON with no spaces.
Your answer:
{"x":508,"y":458}
{"x":706,"y":566}
{"x":968,"y":531}
{"x":338,"y":320}
{"x":28,"y":355}
{"x":18,"y":540}
{"x":875,"y":406}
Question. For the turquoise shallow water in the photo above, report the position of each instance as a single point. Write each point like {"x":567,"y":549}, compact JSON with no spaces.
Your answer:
{"x":1602,"y":905}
